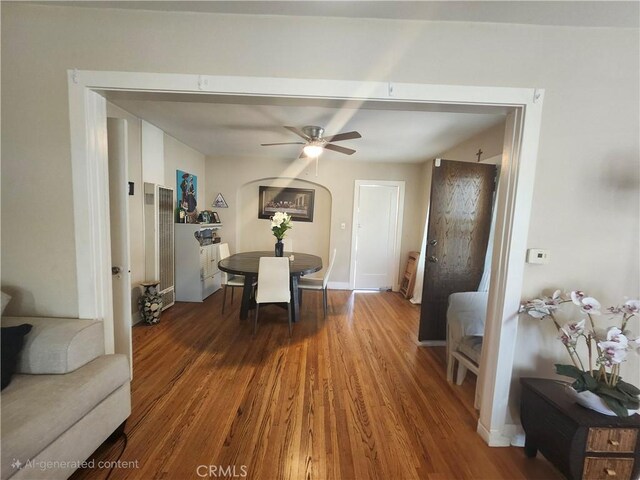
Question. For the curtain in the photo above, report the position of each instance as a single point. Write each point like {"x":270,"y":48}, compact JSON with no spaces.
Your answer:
{"x":486,"y":274}
{"x":417,"y":289}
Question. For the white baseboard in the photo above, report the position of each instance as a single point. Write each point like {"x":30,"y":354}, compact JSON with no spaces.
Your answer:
{"x":432,"y":343}
{"x":495,"y":438}
{"x":518,"y":436}
{"x":338,"y":286}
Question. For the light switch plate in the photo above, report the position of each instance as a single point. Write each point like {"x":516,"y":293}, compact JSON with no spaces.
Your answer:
{"x":538,"y":255}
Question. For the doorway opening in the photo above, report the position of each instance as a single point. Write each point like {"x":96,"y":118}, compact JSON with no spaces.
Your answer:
{"x":523,"y":107}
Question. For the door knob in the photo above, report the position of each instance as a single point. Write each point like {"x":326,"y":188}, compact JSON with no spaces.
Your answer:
{"x":115,"y":270}
{"x":433,"y":243}
{"x":433,"y":259}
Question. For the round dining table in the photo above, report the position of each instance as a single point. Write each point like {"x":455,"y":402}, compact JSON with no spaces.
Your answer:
{"x":246,"y":263}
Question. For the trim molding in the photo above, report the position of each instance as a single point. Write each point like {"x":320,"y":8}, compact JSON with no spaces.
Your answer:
{"x":432,"y":343}
{"x":338,"y":286}
{"x":494,"y":438}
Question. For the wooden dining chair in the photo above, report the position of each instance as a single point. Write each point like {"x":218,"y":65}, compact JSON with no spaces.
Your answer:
{"x":319,"y":283}
{"x":229,"y":280}
{"x":273,"y":285}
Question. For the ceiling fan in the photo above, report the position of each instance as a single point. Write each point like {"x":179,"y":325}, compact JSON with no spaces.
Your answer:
{"x":315,"y":143}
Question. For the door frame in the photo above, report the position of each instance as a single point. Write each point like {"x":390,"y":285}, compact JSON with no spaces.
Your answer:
{"x":397,"y":240}
{"x":122,"y":330}
{"x":88,"y":162}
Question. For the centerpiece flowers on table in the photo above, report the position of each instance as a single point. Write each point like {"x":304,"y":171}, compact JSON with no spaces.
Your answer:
{"x":599,"y":372}
{"x":280,"y":223}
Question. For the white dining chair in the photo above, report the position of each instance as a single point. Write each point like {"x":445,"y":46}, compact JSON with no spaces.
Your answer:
{"x":273,"y":285}
{"x":229,"y":280}
{"x":319,"y":283}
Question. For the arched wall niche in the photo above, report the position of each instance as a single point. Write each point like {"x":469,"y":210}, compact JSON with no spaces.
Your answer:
{"x":253,"y":233}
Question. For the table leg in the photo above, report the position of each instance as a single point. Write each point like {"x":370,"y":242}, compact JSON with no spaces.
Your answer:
{"x":294,"y":298}
{"x":246,"y":296}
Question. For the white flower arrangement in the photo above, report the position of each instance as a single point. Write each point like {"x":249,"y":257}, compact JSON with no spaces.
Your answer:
{"x":280,"y":223}
{"x":611,"y":347}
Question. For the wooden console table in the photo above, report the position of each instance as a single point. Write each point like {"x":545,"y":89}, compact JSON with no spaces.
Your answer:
{"x":581,"y":443}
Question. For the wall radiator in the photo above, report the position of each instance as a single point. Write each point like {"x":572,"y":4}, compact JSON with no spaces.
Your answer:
{"x":158,"y":218}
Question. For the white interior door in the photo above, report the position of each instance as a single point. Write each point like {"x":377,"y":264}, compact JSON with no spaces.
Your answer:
{"x":377,"y":223}
{"x":119,"y":226}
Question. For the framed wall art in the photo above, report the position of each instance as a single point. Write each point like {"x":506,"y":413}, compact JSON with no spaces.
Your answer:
{"x":297,"y":202}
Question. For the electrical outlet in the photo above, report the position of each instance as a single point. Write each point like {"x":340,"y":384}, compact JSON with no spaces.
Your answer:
{"x":538,"y":255}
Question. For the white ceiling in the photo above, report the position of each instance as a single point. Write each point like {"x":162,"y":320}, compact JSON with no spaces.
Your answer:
{"x":558,"y":13}
{"x":235,"y":127}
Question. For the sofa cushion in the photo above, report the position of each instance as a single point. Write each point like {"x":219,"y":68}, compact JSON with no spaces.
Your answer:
{"x":471,"y":347}
{"x":12,"y":342}
{"x":37,"y":409}
{"x":58,"y":345}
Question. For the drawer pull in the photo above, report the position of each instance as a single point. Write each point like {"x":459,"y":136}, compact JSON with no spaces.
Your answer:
{"x":615,"y":443}
{"x":610,"y":471}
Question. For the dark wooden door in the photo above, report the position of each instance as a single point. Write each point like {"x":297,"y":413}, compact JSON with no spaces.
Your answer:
{"x":458,"y":232}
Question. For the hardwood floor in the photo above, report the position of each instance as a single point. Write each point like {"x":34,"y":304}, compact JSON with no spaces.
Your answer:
{"x":349,"y":397}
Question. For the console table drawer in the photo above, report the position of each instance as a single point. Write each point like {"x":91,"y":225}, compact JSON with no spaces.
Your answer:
{"x":604,"y":468}
{"x":612,"y":440}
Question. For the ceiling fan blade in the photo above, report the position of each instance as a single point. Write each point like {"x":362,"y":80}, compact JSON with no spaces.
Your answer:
{"x":337,"y":148}
{"x":302,"y":154}
{"x":342,"y":136}
{"x":285,"y":143}
{"x":298,"y":132}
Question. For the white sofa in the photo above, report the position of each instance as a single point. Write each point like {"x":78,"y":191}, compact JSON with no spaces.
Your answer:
{"x":466,"y":314}
{"x":65,"y":400}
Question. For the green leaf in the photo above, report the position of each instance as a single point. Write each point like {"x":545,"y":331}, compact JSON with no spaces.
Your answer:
{"x":611,"y":392}
{"x":568,"y":371}
{"x":616,"y":406}
{"x":628,"y":388}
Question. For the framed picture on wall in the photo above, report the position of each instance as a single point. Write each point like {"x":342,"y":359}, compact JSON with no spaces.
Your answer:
{"x":187,"y":195}
{"x":297,"y":202}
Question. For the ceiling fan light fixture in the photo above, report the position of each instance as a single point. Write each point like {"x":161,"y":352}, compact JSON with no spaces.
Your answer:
{"x":312,"y":150}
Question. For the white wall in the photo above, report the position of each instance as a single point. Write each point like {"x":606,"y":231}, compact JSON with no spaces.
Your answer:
{"x":587,"y":196}
{"x":178,"y":156}
{"x":152,"y":148}
{"x":489,"y":141}
{"x":236,"y":179}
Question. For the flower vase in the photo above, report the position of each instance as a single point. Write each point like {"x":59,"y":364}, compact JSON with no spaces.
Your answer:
{"x":279,"y":248}
{"x":591,"y":401}
{"x":150,"y":303}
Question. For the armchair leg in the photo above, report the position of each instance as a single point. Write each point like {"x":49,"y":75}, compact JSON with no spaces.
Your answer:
{"x":324,"y":302}
{"x":462,"y":372}
{"x":450,"y":367}
{"x":289,"y":315}
{"x":224,"y":297}
{"x":232,"y":289}
{"x":255,"y":323}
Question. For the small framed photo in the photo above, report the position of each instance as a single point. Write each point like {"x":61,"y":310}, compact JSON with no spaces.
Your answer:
{"x":216,"y":217}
